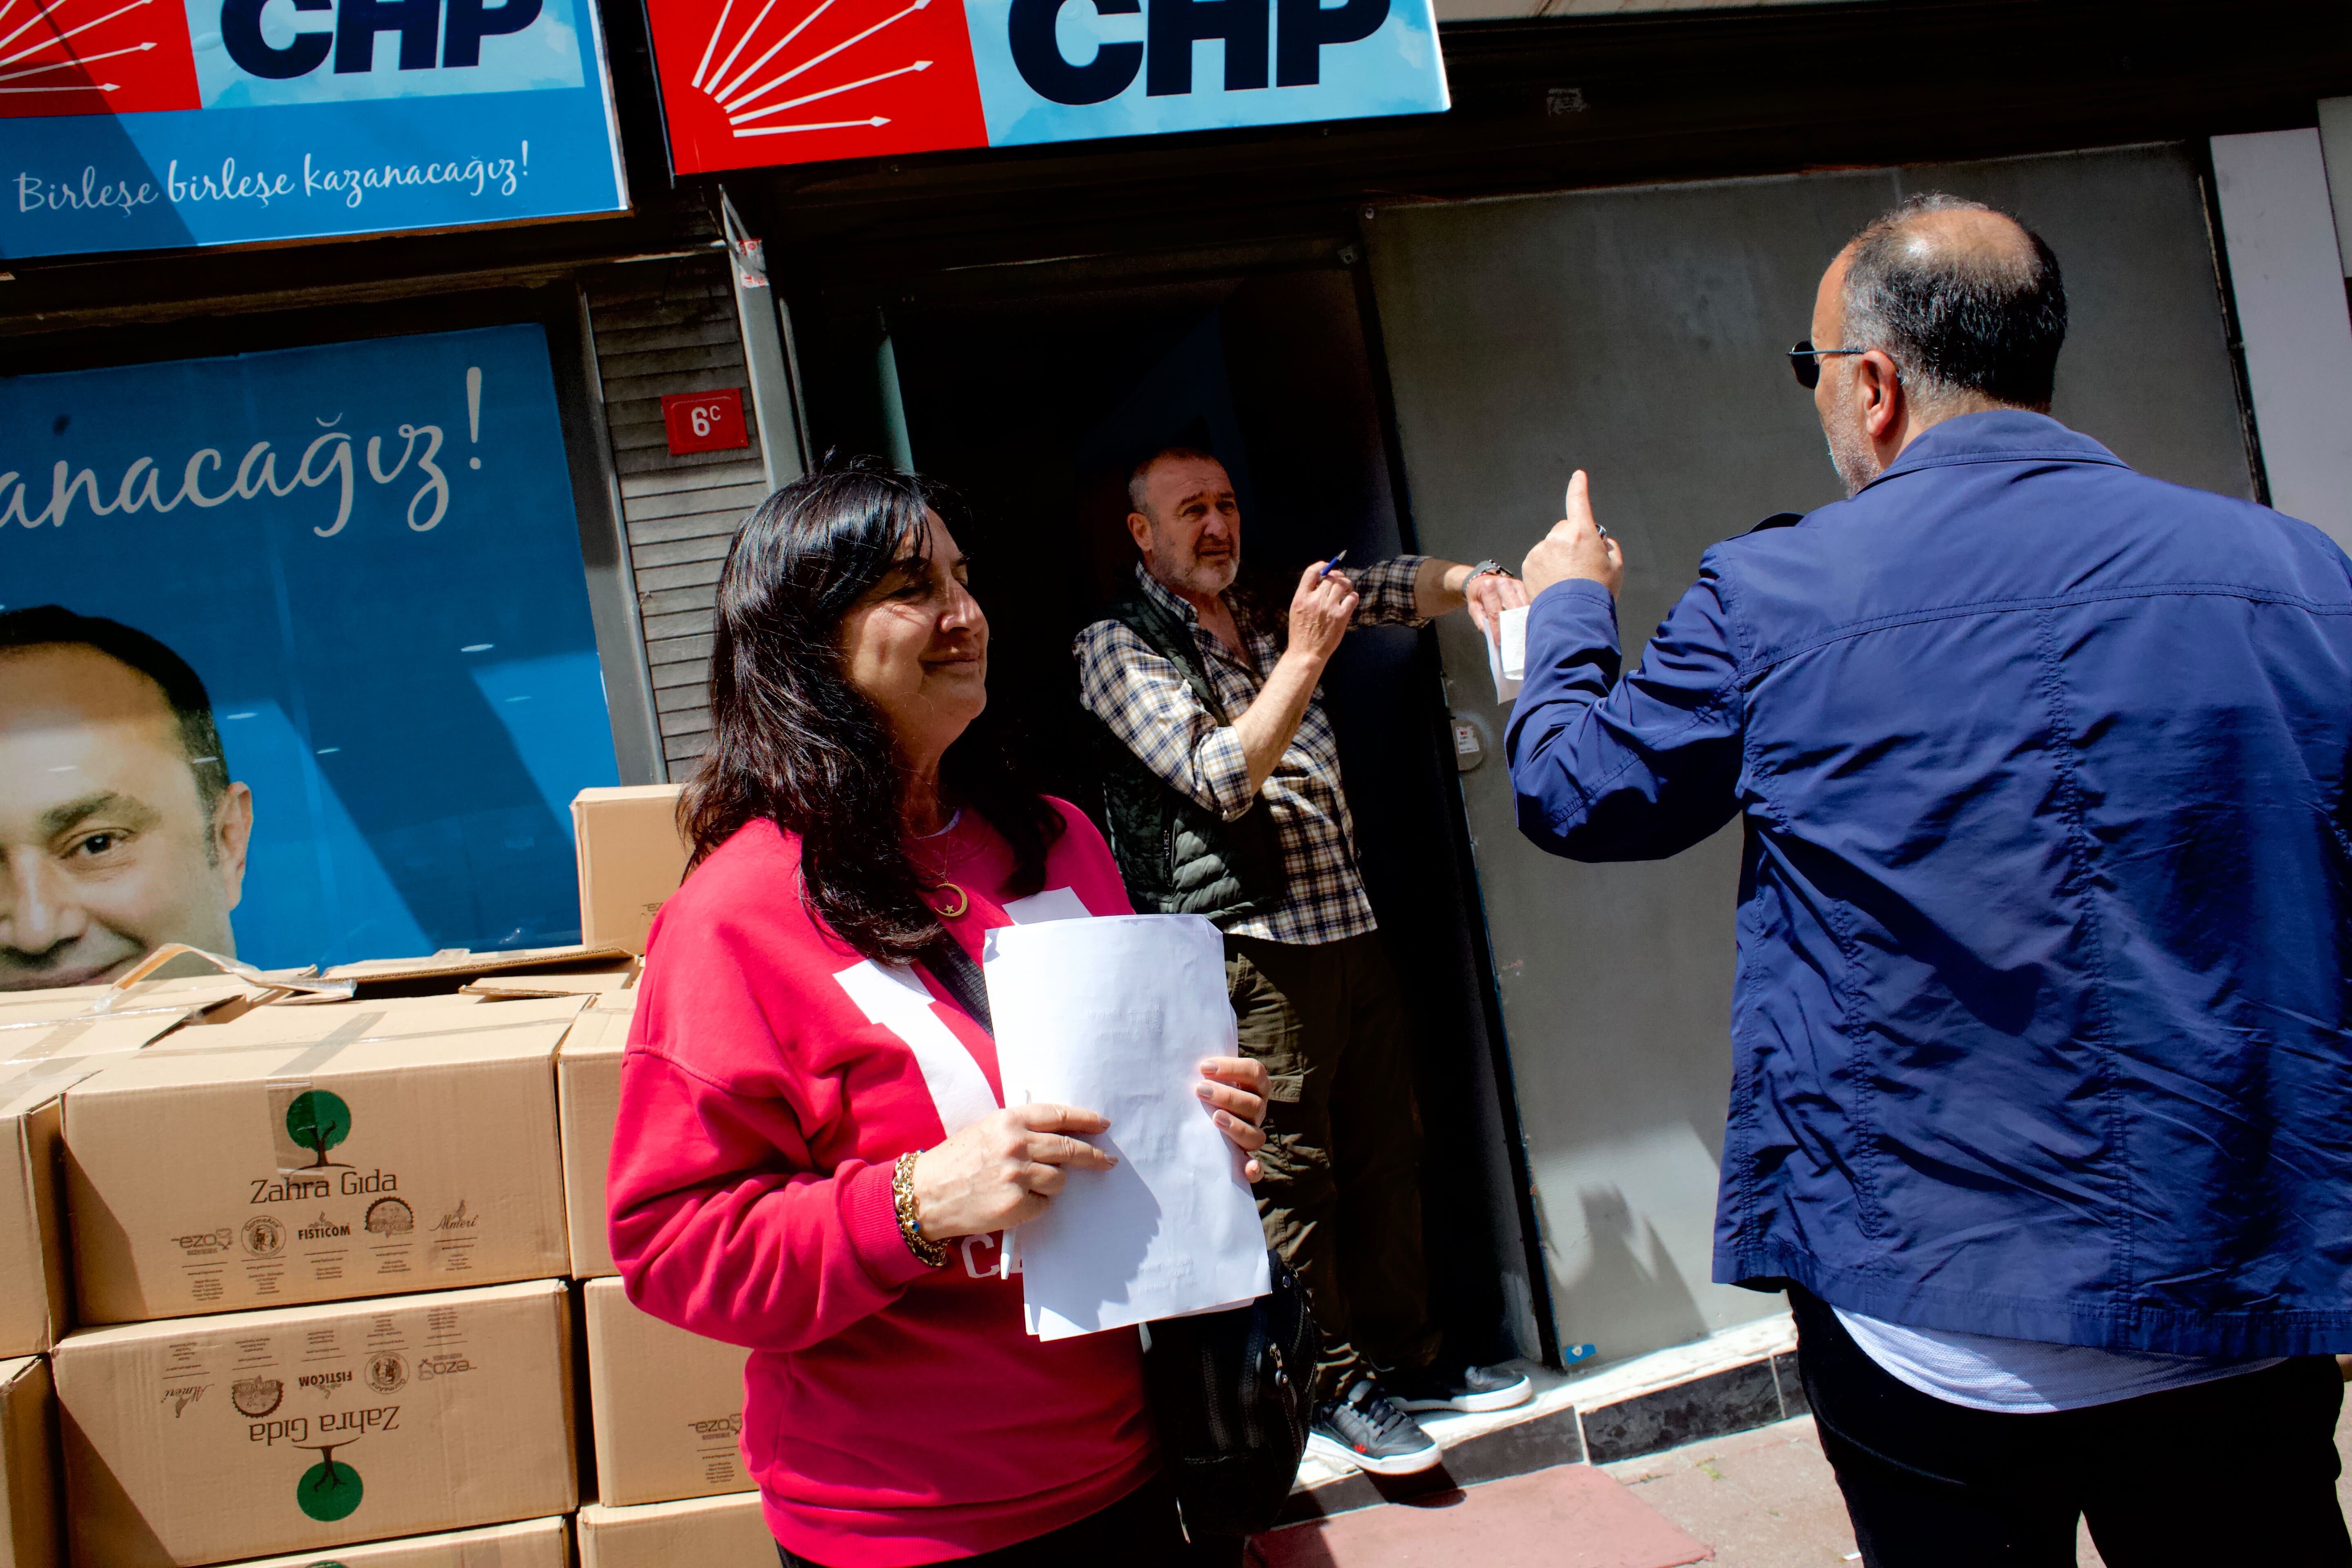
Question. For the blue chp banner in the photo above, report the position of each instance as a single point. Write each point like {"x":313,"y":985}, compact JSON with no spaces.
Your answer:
{"x":143,"y":125}
{"x":296,"y":658}
{"x":746,"y":84}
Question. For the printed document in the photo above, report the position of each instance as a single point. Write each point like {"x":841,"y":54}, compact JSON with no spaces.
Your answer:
{"x":1506,"y":653}
{"x":1115,"y":1016}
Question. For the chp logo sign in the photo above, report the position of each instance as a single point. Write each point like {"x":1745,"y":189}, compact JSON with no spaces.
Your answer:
{"x":136,"y":124}
{"x":749,"y":82}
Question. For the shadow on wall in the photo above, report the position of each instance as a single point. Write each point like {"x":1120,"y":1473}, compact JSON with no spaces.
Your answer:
{"x":1613,"y":1277}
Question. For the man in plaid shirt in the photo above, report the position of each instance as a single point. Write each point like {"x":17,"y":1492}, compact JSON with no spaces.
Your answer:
{"x":1340,"y":1197}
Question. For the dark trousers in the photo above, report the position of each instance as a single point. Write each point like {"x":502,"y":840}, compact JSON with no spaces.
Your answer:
{"x":1140,"y":1531}
{"x":1341,"y":1195}
{"x":2235,"y":1473}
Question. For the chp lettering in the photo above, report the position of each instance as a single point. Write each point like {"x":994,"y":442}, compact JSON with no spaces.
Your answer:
{"x":431,"y":33}
{"x":1295,"y":32}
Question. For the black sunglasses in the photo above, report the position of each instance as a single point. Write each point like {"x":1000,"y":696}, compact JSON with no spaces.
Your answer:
{"x":1805,"y":362}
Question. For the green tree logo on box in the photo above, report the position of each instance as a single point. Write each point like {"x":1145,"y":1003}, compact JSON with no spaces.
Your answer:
{"x":318,"y":1120}
{"x":329,"y":1491}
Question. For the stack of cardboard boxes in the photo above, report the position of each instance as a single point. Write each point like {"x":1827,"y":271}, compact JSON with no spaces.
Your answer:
{"x":317,"y":1255}
{"x":49,"y":1042}
{"x":665,"y":1406}
{"x":324,"y":1261}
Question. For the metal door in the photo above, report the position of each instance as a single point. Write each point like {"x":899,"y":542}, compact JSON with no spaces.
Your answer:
{"x":1640,"y":333}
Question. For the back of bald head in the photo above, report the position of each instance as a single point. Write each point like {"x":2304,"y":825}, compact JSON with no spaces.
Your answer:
{"x":1964,"y":297}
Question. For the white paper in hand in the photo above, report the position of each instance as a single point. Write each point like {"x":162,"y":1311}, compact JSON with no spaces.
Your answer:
{"x":1506,"y":660}
{"x":1115,"y":1015}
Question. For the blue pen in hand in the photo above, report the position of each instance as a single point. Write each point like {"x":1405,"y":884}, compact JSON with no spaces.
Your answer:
{"x":1329,"y":564}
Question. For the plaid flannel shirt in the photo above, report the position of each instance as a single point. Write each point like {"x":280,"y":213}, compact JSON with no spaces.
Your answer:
{"x":1146,"y":703}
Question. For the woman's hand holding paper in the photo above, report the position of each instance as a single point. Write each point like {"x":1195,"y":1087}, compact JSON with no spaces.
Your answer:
{"x":1001,"y":1169}
{"x":1235,"y":1089}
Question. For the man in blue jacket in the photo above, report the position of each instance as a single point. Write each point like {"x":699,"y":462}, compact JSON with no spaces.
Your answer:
{"x":2041,"y":1106}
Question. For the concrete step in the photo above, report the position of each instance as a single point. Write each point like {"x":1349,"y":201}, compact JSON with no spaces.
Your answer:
{"x":1734,"y":1380}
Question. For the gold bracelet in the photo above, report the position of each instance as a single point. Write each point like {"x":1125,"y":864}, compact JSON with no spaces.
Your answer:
{"x":928,"y":1253}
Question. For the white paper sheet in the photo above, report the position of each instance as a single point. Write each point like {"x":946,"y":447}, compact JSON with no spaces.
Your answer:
{"x":1507,"y":661}
{"x":1115,"y":1015}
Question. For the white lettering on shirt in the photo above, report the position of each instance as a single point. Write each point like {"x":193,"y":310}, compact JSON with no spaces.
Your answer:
{"x":895,"y":999}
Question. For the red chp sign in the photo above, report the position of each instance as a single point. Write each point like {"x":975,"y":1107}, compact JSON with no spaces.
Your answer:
{"x":704,"y":421}
{"x":751,"y":82}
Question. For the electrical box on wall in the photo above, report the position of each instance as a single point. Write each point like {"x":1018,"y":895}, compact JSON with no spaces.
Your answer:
{"x":705,"y":421}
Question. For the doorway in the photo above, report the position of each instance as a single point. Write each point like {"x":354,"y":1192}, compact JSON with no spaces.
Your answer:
{"x":1033,"y":391}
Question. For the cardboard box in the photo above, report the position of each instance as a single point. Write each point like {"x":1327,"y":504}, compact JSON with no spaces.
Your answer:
{"x":173,"y":976}
{"x":667,"y":1405}
{"x":346,"y":1162}
{"x":34,"y":1282}
{"x":555,"y":982}
{"x":403,"y":1017}
{"x":534,"y":1543}
{"x":263,"y":1433}
{"x":34,"y":1294}
{"x":444,"y":971}
{"x":706,"y":1533}
{"x":30,"y":1523}
{"x":622,"y":1002}
{"x":36,"y":1298}
{"x":178,"y":998}
{"x":588,"y":1088}
{"x":24,"y":1044}
{"x":632,"y":857}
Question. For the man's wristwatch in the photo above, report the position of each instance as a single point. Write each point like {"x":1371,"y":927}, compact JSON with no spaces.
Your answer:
{"x":1480,"y":569}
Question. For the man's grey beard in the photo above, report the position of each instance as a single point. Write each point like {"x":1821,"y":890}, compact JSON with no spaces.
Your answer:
{"x":1209,"y":578}
{"x":1851,"y":453}
{"x":1855,"y":462}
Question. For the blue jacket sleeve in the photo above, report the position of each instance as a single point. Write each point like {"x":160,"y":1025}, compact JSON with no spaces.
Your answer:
{"x":1635,"y":769}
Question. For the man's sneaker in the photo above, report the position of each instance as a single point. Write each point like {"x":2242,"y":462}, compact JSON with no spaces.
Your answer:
{"x":1366,"y":1429}
{"x":1448,"y":1386}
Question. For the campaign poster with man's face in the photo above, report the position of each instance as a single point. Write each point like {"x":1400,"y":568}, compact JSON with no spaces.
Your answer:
{"x":296,"y":658}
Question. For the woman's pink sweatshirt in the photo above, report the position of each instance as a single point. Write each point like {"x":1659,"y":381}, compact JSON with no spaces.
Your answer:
{"x":894,"y":1414}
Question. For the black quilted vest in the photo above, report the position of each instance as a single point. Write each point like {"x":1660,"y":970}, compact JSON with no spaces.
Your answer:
{"x":1177,"y":856}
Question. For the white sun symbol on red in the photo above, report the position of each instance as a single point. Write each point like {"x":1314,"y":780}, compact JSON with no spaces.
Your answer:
{"x":94,"y":56}
{"x":747,"y":101}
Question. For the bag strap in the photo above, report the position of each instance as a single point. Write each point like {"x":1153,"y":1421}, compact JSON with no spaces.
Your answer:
{"x":1172,"y":639}
{"x":955,"y":970}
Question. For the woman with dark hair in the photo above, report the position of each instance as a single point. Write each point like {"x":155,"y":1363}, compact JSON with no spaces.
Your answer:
{"x":811,"y":1158}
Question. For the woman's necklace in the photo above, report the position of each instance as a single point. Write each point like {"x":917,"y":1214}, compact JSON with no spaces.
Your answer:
{"x":960,"y":900}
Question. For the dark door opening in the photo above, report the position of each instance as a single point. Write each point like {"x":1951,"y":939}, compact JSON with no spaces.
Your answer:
{"x":1034,"y":393}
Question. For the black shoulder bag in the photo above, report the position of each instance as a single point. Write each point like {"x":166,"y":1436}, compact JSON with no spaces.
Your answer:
{"x":1229,"y":1390}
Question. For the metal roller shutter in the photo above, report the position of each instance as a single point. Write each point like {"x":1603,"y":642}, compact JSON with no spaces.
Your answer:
{"x":662,"y":328}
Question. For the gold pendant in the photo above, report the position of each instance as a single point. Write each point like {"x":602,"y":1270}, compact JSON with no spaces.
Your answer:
{"x":963,"y":900}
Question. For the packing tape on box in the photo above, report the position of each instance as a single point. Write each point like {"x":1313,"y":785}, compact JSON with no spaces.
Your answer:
{"x":67,"y":1070}
{"x":51,"y":1043}
{"x":313,"y":1065}
{"x":91,"y":1014}
{"x":49,"y":1057}
{"x":305,"y":1122}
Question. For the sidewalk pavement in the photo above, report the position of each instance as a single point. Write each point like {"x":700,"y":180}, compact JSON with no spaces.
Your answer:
{"x":1761,"y":1498}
